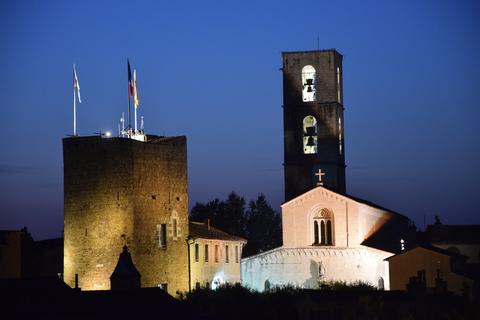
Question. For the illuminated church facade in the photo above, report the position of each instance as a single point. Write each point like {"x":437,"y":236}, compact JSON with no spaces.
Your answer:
{"x":327,"y":234}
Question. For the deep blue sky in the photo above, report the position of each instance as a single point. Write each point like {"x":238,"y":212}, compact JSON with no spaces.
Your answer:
{"x":210,"y":70}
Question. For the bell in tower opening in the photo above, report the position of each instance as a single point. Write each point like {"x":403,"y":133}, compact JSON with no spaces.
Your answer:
{"x":309,"y":135}
{"x":308,"y":78}
{"x":313,"y":121}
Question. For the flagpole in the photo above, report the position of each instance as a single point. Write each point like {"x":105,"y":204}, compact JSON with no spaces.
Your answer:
{"x":135,"y":119}
{"x":129,"y":116}
{"x":74,"y":113}
{"x":129,"y":94}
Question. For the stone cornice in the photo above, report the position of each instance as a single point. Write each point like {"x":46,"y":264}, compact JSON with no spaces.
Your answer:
{"x":278,"y":255}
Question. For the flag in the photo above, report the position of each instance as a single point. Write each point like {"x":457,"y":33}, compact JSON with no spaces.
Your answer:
{"x":135,"y":92}
{"x":76,"y":85}
{"x":130,"y":83}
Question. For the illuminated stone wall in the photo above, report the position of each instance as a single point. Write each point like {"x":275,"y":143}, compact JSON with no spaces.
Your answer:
{"x":354,"y":223}
{"x":307,"y":267}
{"x":117,"y":191}
{"x":211,"y":271}
{"x":363,"y":236}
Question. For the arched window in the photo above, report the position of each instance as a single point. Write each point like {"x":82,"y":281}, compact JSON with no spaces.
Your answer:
{"x":323,"y":228}
{"x":310,"y":135}
{"x":329,"y":232}
{"x":309,"y":91}
{"x":340,"y":135}
{"x":381,"y":284}
{"x":322,"y":232}
{"x":266,"y":286}
{"x":315,"y":232}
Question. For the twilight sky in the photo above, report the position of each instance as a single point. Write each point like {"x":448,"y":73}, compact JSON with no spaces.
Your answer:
{"x":210,"y":70}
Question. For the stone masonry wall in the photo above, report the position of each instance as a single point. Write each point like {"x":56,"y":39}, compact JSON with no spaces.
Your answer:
{"x":116,"y":191}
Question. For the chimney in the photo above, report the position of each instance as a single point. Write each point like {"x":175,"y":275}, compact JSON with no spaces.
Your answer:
{"x":207,"y":222}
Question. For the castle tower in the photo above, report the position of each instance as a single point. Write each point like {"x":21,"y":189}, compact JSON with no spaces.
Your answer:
{"x":119,"y":192}
{"x":314,"y":151}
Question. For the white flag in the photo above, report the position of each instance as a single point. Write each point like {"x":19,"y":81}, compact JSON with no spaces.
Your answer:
{"x":76,"y":85}
{"x":136,"y":102}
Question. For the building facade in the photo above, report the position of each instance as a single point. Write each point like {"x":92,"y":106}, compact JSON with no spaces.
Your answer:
{"x":329,"y":237}
{"x":119,"y":192}
{"x":214,"y":256}
{"x":461,"y":239}
{"x":431,"y":269}
{"x":15,"y":251}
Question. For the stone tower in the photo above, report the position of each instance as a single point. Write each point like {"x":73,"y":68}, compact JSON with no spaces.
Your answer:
{"x":119,"y":192}
{"x":314,"y":152}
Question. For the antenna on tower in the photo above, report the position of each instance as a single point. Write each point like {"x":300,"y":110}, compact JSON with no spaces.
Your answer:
{"x":122,"y":125}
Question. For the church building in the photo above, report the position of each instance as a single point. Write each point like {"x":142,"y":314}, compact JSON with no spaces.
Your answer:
{"x":327,"y":234}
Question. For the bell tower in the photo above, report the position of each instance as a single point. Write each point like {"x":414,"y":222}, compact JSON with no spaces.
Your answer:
{"x":314,"y":152}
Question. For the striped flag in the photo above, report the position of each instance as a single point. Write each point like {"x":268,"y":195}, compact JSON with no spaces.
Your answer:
{"x":76,"y":85}
{"x":130,"y":82}
{"x":136,"y":102}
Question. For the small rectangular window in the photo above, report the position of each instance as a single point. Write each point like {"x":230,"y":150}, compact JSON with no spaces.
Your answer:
{"x":196,"y":252}
{"x":162,"y":235}
{"x":206,"y":253}
{"x":236,"y":254}
{"x":216,"y":253}
{"x":226,"y":254}
{"x":163,"y":286}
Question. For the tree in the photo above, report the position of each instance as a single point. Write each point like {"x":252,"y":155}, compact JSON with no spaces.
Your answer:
{"x":259,"y":224}
{"x":264,"y":227}
{"x":210,"y":210}
{"x":228,"y":215}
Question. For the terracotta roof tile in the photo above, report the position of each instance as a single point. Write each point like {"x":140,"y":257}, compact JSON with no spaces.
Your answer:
{"x":202,"y":230}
